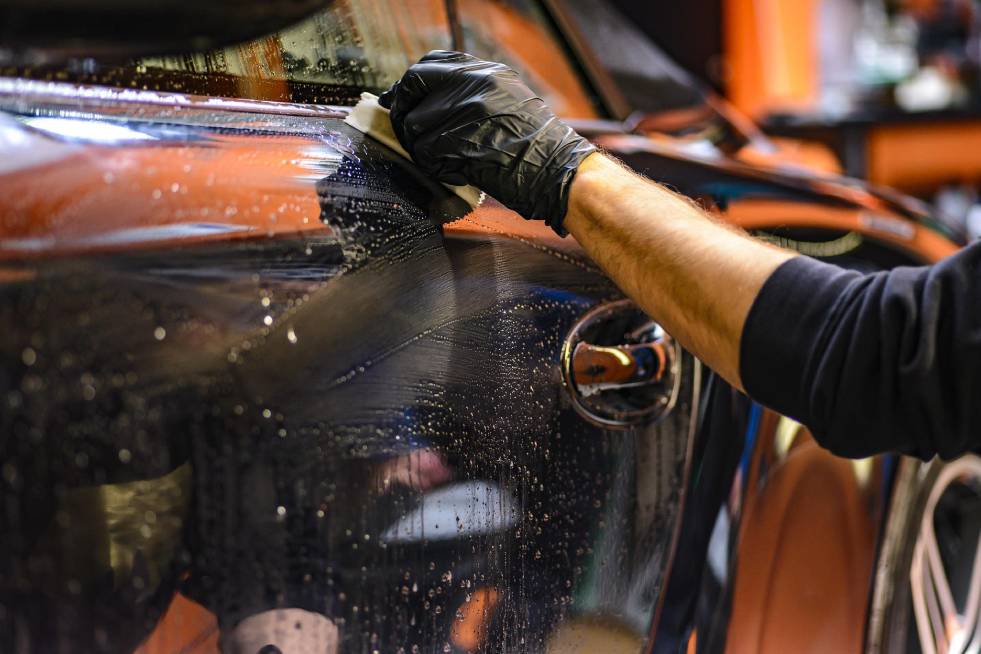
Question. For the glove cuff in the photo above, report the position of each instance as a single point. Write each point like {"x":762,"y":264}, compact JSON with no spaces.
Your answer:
{"x":554,"y":202}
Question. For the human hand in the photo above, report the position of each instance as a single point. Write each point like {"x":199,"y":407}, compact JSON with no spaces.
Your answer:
{"x":465,"y":120}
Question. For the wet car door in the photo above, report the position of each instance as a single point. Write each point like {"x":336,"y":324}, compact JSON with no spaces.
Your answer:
{"x":264,"y":381}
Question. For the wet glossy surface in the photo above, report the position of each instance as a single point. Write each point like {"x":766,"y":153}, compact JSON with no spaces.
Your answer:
{"x":343,"y":410}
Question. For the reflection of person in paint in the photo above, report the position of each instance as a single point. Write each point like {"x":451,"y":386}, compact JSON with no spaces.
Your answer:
{"x":871,"y":363}
{"x":419,"y":470}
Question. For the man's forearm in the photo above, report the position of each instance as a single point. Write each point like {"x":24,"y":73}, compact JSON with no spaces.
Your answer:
{"x":696,"y":277}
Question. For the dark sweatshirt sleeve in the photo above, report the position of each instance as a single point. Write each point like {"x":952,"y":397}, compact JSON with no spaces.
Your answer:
{"x":886,"y":362}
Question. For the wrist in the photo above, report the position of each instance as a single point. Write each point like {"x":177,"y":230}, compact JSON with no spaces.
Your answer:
{"x":596,"y":176}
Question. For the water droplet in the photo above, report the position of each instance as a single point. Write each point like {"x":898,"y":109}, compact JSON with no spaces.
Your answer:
{"x":160,"y":333}
{"x":28,"y":356}
{"x":125,"y":456}
{"x":291,"y":336}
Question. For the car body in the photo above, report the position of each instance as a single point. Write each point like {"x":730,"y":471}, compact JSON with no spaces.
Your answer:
{"x":253,"y":361}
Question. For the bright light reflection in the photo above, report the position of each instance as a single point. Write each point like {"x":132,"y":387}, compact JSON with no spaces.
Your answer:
{"x":91,"y":131}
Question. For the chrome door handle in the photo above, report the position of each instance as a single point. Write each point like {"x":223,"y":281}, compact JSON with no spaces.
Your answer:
{"x":619,"y":367}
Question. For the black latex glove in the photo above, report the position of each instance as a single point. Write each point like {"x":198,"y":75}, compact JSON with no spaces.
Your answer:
{"x":465,"y":120}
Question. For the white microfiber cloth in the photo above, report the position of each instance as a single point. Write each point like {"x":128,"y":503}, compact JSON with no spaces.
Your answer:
{"x":372,"y":119}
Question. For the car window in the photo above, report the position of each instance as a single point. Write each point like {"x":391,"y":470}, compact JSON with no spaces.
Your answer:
{"x":329,"y":58}
{"x":369,"y":44}
{"x":349,"y":47}
{"x":364,"y":44}
{"x":518,"y":33}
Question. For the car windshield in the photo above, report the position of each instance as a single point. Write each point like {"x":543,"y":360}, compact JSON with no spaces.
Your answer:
{"x":351,"y":46}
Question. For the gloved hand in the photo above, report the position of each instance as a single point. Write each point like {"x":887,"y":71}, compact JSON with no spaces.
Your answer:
{"x":465,"y":120}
